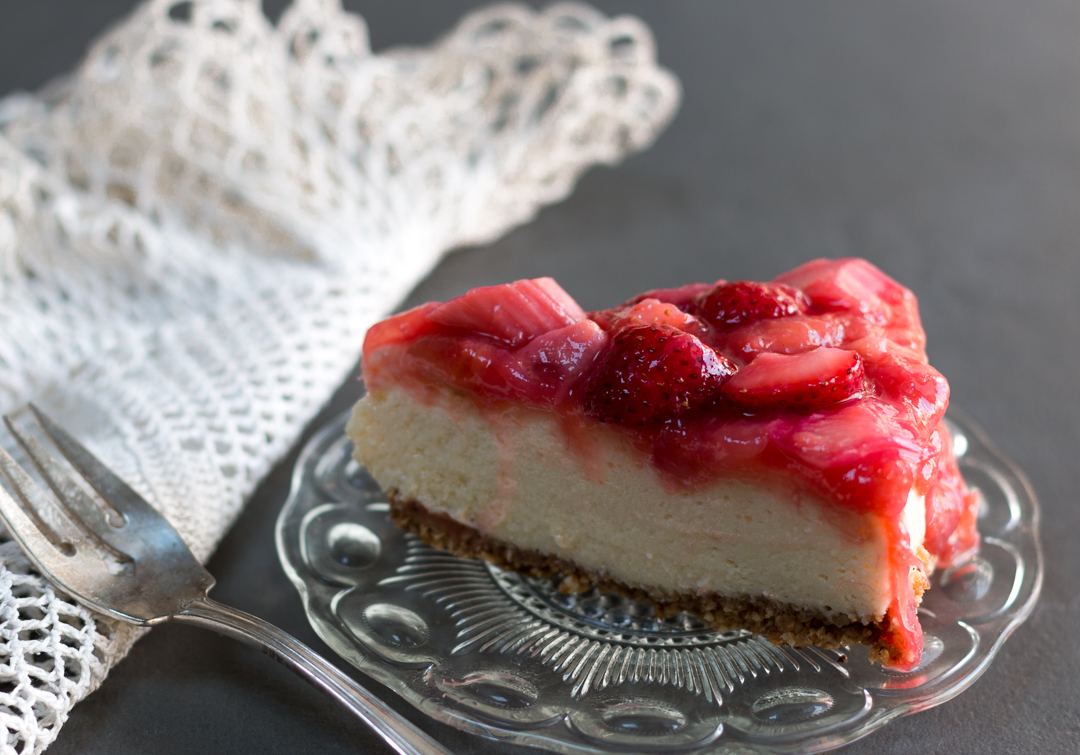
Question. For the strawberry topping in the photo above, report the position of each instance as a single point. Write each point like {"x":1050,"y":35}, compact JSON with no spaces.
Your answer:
{"x":652,"y":374}
{"x":727,"y":305}
{"x":798,"y":382}
{"x":403,"y":328}
{"x":514,"y":313}
{"x":819,"y":375}
{"x":560,"y":357}
{"x":784,"y":335}
{"x":682,"y":297}
{"x":648,"y":311}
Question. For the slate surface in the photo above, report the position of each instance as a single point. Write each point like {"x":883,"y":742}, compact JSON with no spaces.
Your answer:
{"x":941,"y":141}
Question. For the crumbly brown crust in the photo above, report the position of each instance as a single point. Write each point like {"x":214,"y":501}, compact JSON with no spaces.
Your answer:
{"x":780,"y":623}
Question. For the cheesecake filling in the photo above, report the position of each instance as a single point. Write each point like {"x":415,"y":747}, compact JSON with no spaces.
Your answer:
{"x":512,"y":476}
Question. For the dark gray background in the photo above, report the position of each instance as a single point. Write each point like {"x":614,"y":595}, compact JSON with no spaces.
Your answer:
{"x":939,"y":140}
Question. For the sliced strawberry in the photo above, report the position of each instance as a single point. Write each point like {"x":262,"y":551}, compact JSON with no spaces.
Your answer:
{"x":652,"y":374}
{"x":728,"y":305}
{"x":798,"y":382}
{"x":513,"y":313}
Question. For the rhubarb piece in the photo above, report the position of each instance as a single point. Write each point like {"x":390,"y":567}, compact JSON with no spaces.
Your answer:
{"x":513,"y":313}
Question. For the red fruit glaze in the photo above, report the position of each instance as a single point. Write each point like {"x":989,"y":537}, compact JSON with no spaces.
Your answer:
{"x":400,"y":329}
{"x":819,"y":376}
{"x":681,"y":297}
{"x":951,"y":512}
{"x":728,"y":305}
{"x":653,"y":374}
{"x":557,"y":359}
{"x":514,"y":312}
{"x":784,"y":335}
{"x":648,"y":311}
{"x":797,"y":383}
{"x":855,"y":286}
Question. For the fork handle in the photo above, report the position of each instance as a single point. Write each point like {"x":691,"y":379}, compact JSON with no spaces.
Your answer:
{"x":398,"y":732}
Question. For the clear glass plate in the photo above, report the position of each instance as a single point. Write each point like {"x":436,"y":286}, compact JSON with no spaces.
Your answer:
{"x":512,"y":658}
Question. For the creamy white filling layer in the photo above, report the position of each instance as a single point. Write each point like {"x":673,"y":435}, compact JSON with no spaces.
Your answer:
{"x":515,"y":478}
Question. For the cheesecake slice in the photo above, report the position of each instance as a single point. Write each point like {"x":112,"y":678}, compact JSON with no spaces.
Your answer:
{"x":768,"y":456}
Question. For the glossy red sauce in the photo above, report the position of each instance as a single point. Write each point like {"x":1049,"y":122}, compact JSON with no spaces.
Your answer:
{"x":864,"y":445}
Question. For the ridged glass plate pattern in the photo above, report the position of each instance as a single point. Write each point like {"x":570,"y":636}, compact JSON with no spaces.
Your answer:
{"x":511,"y":658}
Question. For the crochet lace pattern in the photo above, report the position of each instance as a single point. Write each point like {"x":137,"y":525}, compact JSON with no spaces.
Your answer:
{"x":198,"y":225}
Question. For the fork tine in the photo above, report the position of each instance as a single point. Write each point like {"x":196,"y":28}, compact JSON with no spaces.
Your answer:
{"x":39,"y":513}
{"x":38,"y":547}
{"x":114,"y":490}
{"x":83,"y":509}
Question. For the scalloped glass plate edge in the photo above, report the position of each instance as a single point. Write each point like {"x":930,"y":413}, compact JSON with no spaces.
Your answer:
{"x":508,"y":658}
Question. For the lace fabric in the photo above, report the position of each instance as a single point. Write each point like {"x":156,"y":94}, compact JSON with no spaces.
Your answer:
{"x":198,"y":225}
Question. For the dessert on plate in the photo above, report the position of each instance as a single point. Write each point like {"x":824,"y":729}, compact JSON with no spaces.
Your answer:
{"x":768,"y":456}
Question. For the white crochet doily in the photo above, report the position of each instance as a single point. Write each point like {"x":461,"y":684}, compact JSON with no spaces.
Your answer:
{"x":197,"y":227}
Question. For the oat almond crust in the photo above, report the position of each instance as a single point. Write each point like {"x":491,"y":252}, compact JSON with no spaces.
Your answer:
{"x":780,"y":623}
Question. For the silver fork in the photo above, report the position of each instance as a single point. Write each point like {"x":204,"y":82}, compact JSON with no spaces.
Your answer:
{"x":131,"y":564}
